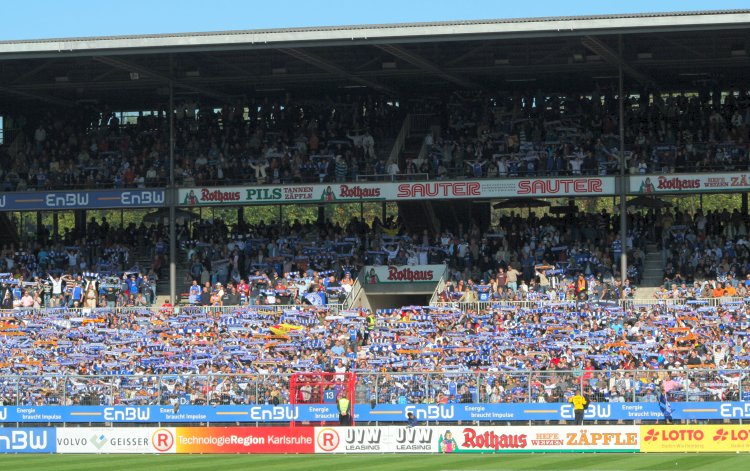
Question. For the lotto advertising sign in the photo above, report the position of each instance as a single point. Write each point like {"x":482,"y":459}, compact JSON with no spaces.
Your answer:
{"x":115,"y":440}
{"x":695,"y":438}
{"x":375,"y":440}
{"x":244,"y":440}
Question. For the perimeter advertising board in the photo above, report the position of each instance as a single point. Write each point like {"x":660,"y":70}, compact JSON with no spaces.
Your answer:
{"x":284,"y":413}
{"x":93,"y":199}
{"x":471,"y":439}
{"x":27,"y":440}
{"x":396,"y":191}
{"x":115,"y":440}
{"x":689,"y":183}
{"x":244,"y":440}
{"x":695,"y":438}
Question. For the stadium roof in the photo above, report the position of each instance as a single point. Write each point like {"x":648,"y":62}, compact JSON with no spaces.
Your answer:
{"x":660,"y":50}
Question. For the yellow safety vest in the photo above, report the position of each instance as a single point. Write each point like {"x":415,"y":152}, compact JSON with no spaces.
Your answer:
{"x":343,"y":406}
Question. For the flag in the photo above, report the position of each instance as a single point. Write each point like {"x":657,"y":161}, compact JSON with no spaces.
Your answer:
{"x":665,"y":406}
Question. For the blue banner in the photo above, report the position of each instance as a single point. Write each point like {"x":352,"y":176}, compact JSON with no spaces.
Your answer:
{"x":365,"y":413}
{"x":93,"y":199}
{"x":27,"y":440}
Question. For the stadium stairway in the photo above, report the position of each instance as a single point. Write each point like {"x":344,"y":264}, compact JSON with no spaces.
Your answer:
{"x":653,"y":271}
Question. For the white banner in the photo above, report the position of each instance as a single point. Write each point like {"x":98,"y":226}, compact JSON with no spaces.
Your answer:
{"x":402,"y":274}
{"x":469,"y":439}
{"x":689,"y":183}
{"x":375,"y":440}
{"x":397,"y":191}
{"x":115,"y":440}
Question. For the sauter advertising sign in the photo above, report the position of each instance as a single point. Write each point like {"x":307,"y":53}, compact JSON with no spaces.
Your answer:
{"x":696,"y":438}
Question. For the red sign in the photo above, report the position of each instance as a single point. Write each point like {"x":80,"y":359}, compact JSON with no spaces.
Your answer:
{"x":489,"y":440}
{"x":407,"y":274}
{"x":245,"y":440}
{"x":554,"y":186}
{"x":346,"y":191}
{"x":438,"y":189}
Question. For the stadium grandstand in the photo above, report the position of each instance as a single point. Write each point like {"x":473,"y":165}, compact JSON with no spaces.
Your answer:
{"x":477,"y":220}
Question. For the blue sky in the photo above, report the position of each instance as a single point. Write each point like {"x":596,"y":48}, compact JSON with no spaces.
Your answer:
{"x":35,"y":19}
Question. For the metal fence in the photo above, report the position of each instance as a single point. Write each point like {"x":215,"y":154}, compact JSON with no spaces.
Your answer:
{"x":184,"y":309}
{"x":635,"y":303}
{"x":382,"y":388}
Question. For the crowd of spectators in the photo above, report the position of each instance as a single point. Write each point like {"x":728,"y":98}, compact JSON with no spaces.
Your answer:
{"x":258,"y":142}
{"x":548,"y":135}
{"x":706,"y":254}
{"x":87,"y":268}
{"x":290,"y":141}
{"x":502,"y":353}
{"x":283,"y":263}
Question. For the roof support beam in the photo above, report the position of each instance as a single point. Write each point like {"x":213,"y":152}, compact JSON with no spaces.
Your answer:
{"x":336,"y":70}
{"x":130,"y":67}
{"x":423,"y":64}
{"x":32,"y":72}
{"x":612,"y":57}
{"x":36,"y":96}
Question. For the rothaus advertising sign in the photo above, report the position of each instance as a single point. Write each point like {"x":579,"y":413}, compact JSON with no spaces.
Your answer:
{"x":396,"y":191}
{"x":689,"y":183}
{"x":403,"y":274}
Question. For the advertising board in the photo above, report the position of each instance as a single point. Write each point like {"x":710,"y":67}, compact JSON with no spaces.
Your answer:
{"x":244,"y":440}
{"x":695,"y":438}
{"x":473,"y":439}
{"x":475,"y":412}
{"x":27,"y":440}
{"x":115,"y":440}
{"x":396,"y":191}
{"x":81,"y":199}
{"x":689,"y":183}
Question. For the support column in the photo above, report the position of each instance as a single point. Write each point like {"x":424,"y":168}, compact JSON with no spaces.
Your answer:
{"x":173,"y":197}
{"x":623,"y":190}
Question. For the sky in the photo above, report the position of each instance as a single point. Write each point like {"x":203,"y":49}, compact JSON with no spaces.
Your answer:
{"x":40,"y":19}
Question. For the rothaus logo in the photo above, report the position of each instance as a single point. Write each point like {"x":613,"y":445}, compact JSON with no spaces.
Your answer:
{"x":595,"y":411}
{"x":134,"y":198}
{"x":362,"y":436}
{"x":735,"y":410}
{"x":126,"y":414}
{"x":414,"y":435}
{"x":23,"y":440}
{"x":66,"y":200}
{"x":431,"y":412}
{"x":277,"y":413}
